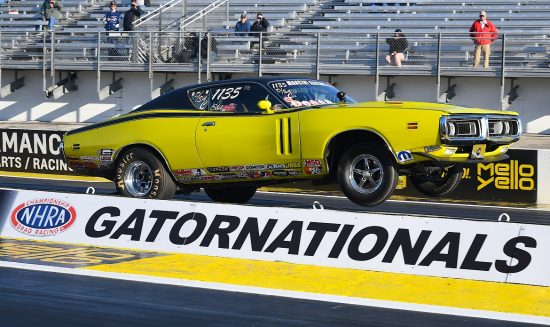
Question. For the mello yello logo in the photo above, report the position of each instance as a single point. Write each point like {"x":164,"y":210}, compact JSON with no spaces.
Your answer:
{"x":506,"y":176}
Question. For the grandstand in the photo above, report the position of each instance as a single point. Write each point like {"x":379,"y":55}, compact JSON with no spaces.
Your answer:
{"x":323,"y":38}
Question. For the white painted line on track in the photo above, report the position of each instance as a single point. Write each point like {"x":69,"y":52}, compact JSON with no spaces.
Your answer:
{"x":290,"y":294}
{"x":411,"y":201}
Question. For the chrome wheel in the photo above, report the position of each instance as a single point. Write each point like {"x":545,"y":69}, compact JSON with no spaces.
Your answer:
{"x":365,"y":173}
{"x":138,"y":179}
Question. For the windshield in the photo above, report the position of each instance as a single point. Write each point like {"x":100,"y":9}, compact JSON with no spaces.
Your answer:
{"x":304,"y":93}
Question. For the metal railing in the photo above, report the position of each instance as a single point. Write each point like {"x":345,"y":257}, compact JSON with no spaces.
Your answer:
{"x":437,"y":54}
{"x":176,"y":12}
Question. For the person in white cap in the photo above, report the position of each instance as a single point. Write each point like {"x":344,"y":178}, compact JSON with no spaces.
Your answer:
{"x":483,"y":32}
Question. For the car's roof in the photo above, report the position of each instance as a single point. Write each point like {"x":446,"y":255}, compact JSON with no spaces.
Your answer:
{"x":261,"y":80}
{"x":177,"y":98}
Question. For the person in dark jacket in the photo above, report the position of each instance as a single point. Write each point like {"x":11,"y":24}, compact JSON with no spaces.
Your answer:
{"x":51,"y":10}
{"x":398,"y":45}
{"x":260,"y":25}
{"x":131,"y":15}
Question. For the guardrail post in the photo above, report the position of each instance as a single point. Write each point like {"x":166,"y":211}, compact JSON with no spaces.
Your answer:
{"x":160,"y":19}
{"x":199,"y":58}
{"x":502,"y":72}
{"x":438,"y":72}
{"x":376,"y":71}
{"x":260,"y":58}
{"x":52,"y":49}
{"x":98,"y":62}
{"x":151,"y":59}
{"x":209,"y":47}
{"x":0,"y":60}
{"x":318,"y":58}
{"x":227,"y":11}
{"x":44,"y":60}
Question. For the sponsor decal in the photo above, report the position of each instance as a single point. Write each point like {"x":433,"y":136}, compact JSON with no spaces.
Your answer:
{"x":313,"y":167}
{"x":404,"y":156}
{"x":312,"y":163}
{"x":105,"y":158}
{"x":506,"y":176}
{"x":229,"y":107}
{"x":218,"y":169}
{"x":43,"y":217}
{"x":183,"y":172}
{"x":106,"y":152}
{"x":279,"y":173}
{"x":432,"y":148}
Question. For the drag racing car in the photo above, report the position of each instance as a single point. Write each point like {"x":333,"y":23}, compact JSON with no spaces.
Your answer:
{"x":230,"y":137}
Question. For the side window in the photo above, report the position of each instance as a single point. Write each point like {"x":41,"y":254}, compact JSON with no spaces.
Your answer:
{"x":200,"y":98}
{"x":238,"y":97}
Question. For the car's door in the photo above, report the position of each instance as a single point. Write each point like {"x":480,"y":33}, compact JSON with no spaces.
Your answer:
{"x":235,"y":135}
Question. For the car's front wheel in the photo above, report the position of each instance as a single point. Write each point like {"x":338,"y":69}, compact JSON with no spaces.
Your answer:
{"x":367,"y":174}
{"x":230,"y":194}
{"x":437,"y":181}
{"x":140,"y":174}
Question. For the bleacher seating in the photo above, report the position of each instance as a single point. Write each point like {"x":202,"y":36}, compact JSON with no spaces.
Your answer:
{"x":347,"y":30}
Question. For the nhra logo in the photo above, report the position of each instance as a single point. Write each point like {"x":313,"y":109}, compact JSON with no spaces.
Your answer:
{"x":43,"y":217}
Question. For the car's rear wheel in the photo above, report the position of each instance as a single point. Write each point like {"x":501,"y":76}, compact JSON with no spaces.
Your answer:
{"x":140,"y":174}
{"x":367,"y":174}
{"x":230,"y":194}
{"x":437,"y":181}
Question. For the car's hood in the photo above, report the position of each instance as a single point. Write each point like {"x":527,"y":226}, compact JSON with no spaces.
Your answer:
{"x":445,"y":108}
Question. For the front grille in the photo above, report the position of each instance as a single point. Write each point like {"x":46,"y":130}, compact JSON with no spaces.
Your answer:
{"x":469,"y":129}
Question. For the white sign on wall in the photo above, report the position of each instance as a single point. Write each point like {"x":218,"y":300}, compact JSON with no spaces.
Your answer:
{"x":491,"y":251}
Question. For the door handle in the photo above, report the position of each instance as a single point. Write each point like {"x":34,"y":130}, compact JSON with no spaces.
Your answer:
{"x":209,"y":123}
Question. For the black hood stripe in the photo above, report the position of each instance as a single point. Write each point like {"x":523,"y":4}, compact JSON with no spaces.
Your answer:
{"x":165,"y":115}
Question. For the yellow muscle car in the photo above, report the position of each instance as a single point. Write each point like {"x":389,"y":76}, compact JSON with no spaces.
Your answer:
{"x":230,"y":137}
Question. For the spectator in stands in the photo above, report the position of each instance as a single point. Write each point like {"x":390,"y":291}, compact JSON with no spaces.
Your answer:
{"x":483,"y":32}
{"x":51,"y":10}
{"x":112,"y":18}
{"x":131,"y":15}
{"x":243,"y":26}
{"x":260,"y":25}
{"x":398,"y":46}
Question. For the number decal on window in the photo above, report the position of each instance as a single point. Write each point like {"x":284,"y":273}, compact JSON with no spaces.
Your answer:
{"x":226,"y":93}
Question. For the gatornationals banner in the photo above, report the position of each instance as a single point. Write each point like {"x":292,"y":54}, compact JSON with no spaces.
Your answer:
{"x":490,"y":251}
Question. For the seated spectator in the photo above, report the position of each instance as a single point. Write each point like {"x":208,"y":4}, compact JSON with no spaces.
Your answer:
{"x":243,"y":26}
{"x":51,"y":9}
{"x":398,"y":45}
{"x":260,"y":25}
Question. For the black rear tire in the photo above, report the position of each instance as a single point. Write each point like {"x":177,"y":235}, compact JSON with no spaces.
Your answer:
{"x":229,"y":194}
{"x":439,"y":182}
{"x":367,"y":174}
{"x":140,"y":174}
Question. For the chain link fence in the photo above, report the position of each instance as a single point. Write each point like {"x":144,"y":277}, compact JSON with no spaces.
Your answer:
{"x":290,"y":53}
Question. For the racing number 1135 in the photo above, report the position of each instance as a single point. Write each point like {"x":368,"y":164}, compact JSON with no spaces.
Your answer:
{"x":226,"y":93}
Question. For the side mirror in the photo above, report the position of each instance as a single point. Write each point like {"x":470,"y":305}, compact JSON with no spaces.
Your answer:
{"x":265,"y":106}
{"x":341,"y":96}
